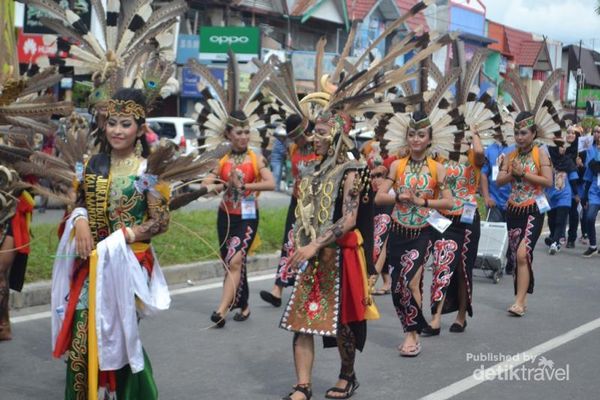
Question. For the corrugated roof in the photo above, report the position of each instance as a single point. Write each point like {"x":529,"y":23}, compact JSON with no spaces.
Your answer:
{"x":528,"y":53}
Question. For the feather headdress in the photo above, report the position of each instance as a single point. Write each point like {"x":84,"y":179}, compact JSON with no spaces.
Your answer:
{"x":546,"y":112}
{"x":130,"y":32}
{"x":214,"y":111}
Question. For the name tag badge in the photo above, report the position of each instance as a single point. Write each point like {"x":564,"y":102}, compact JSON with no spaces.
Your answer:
{"x":248,"y":208}
{"x":79,"y":171}
{"x":495,"y":170}
{"x":542,"y":203}
{"x":468,"y":213}
{"x":438,"y":221}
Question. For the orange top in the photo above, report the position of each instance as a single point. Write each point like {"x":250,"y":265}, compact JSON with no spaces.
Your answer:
{"x":462,"y":179}
{"x":247,"y":172}
{"x":523,"y":193}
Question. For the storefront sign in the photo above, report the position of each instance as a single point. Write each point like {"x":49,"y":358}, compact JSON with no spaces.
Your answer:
{"x":215,"y":42}
{"x":189,"y":86}
{"x":188,"y":46}
{"x":304,"y":63}
{"x":31,"y":47}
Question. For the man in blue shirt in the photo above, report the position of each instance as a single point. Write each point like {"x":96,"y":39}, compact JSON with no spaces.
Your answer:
{"x":495,"y":197}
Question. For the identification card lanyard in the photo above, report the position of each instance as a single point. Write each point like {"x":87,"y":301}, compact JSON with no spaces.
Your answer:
{"x":495,"y":171}
{"x":542,"y":203}
{"x":248,"y":207}
{"x":468,"y":213}
{"x":438,"y":221}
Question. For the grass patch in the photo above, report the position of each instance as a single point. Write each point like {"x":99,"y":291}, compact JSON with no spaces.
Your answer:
{"x":179,"y":245}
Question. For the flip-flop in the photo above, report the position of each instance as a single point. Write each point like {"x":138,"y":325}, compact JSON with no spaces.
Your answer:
{"x":516,"y":310}
{"x":416,"y":350}
{"x":381,"y":292}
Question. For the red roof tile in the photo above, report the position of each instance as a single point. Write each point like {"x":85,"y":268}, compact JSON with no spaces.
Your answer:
{"x":417,"y":20}
{"x":515,"y":38}
{"x":528,"y":53}
{"x":358,"y":9}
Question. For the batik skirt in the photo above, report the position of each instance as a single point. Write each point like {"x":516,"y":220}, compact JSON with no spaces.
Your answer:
{"x":236,"y":235}
{"x":408,"y":252}
{"x":382,"y":222}
{"x":454,"y":249}
{"x":524,"y":225}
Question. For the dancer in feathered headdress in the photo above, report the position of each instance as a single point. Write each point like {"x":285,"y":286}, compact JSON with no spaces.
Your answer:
{"x":529,"y":170}
{"x":456,"y":250}
{"x":227,"y":117}
{"x":335,"y":212}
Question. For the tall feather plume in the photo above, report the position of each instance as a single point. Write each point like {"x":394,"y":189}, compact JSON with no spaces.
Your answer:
{"x":209,"y":78}
{"x":319,"y":56}
{"x":471,"y":73}
{"x":420,"y":6}
{"x":133,"y":23}
{"x":552,"y":80}
{"x":233,"y":83}
{"x":519,"y":90}
{"x":345,"y":52}
{"x":442,"y":87}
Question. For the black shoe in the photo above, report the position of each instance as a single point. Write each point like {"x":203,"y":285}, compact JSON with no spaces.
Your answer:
{"x":429,"y":331}
{"x":570,"y":245}
{"x":217,"y":319}
{"x":548,"y":241}
{"x":240,"y":317}
{"x":458,"y":328}
{"x":590,"y":252}
{"x":269,"y":298}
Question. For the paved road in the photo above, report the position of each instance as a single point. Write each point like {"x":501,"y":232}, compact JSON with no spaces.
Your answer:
{"x":252,"y":360}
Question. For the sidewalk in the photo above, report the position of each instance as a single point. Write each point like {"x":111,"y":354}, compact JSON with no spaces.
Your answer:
{"x":38,"y":293}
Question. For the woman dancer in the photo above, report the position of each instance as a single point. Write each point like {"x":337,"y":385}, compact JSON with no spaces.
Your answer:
{"x":302,"y":154}
{"x":122,"y":205}
{"x":244,"y":174}
{"x":528,"y":169}
{"x":417,"y":181}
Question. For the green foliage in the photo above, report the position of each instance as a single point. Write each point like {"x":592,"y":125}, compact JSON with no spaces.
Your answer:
{"x":192,"y":237}
{"x":589,"y":123}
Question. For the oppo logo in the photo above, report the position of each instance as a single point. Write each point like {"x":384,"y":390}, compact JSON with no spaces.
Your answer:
{"x":229,"y":39}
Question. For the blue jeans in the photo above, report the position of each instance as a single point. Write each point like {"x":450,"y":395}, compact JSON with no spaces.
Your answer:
{"x":276,"y":167}
{"x":590,"y":219}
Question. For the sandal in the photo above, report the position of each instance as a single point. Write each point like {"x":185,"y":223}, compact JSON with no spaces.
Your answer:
{"x":516,"y":310}
{"x":302,"y":388}
{"x":414,"y":350}
{"x":5,"y":332}
{"x":269,"y":298}
{"x":240,"y":316}
{"x":458,"y":328}
{"x":346,"y":392}
{"x":217,"y":319}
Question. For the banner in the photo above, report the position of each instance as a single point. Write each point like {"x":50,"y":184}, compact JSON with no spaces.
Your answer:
{"x":216,"y":41}
{"x":31,"y":47}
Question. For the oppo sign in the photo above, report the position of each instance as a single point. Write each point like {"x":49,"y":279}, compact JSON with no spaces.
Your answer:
{"x":215,"y":42}
{"x":229,"y":39}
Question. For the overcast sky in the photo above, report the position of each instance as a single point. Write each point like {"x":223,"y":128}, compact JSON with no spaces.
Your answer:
{"x":564,"y":20}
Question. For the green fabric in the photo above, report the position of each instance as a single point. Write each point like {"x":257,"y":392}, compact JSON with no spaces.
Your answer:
{"x":126,"y":206}
{"x":140,"y":386}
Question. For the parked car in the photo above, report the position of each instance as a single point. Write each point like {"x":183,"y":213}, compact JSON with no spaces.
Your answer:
{"x":184,"y":132}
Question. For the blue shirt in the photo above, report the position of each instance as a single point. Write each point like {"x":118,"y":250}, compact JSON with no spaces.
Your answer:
{"x":589,"y":176}
{"x":562,"y":197}
{"x":493,"y":157}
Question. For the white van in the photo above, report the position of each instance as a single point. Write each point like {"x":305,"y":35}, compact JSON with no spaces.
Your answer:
{"x":184,"y":132}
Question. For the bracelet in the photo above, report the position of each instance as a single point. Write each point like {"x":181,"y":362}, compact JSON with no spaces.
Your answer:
{"x":130,"y":234}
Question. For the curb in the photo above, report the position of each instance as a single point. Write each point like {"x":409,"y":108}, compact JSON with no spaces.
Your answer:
{"x":38,"y":293}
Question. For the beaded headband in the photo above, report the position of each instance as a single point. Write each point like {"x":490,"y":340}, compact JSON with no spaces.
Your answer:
{"x":416,"y":125}
{"x":126,"y":108}
{"x":337,"y":122}
{"x":527,"y":123}
{"x":236,"y":122}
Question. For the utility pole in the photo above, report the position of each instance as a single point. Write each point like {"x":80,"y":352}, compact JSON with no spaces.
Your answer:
{"x":577,"y":77}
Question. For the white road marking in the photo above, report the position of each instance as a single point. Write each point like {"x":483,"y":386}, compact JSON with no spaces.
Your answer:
{"x":175,"y":292}
{"x":470,"y":382}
